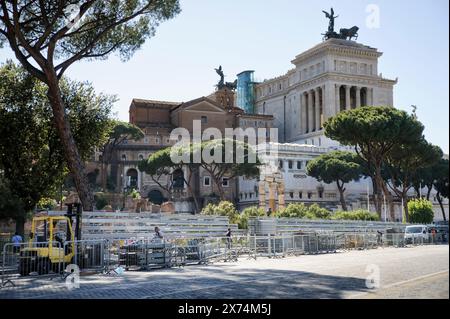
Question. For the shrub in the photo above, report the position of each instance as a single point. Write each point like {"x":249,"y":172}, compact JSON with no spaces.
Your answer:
{"x":319,"y":213}
{"x":224,"y":208}
{"x":359,"y":214}
{"x":47,"y":203}
{"x":420,"y":211}
{"x":100,"y":202}
{"x":249,"y":212}
{"x":293,"y":211}
{"x":302,"y":211}
{"x":135,"y":194}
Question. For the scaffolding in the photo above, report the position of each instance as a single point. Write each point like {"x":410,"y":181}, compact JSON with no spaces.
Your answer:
{"x":245,"y":92}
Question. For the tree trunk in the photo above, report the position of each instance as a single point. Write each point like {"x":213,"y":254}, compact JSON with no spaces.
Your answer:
{"x":191,"y":190}
{"x":390,"y":202}
{"x":220,"y":189}
{"x":73,"y":158}
{"x":405,"y":207}
{"x":103,"y":170}
{"x":341,"y":197}
{"x":379,"y":189}
{"x":20,"y":225}
{"x":439,"y":199}
{"x":429,"y":192}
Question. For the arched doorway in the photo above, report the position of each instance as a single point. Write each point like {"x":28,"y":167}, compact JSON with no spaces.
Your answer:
{"x":132,"y":178}
{"x":156,"y":197}
{"x":178,"y":179}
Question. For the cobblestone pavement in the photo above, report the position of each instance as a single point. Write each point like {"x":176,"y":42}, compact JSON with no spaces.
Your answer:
{"x":419,"y":272}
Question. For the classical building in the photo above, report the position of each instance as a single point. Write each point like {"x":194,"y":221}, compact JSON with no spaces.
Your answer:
{"x":333,"y":76}
{"x":157,"y":119}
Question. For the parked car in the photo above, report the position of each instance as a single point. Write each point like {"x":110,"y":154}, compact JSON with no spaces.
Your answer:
{"x":416,"y":233}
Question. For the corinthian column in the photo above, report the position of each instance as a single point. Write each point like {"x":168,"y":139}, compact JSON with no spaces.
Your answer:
{"x":337,"y":89}
{"x":317,"y":95}
{"x":358,"y":97}
{"x":347,"y":97}
{"x":310,"y":112}
{"x":303,"y":114}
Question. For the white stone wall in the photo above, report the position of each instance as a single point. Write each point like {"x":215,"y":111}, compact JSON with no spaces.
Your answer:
{"x":318,"y":75}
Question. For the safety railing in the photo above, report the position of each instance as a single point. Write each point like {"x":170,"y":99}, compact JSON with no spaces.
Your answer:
{"x":25,"y":260}
{"x":38,"y":259}
{"x":47,"y":260}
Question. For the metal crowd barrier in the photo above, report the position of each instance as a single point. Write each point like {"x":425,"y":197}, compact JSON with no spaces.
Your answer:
{"x":39,"y":260}
{"x":22,"y":261}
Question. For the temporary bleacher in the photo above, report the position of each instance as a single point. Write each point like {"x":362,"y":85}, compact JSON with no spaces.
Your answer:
{"x":124,"y":225}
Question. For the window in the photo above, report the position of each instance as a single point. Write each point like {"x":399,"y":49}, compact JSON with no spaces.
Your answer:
{"x":299,"y":165}
{"x":321,"y":194}
{"x":206,"y":181}
{"x":141,"y":157}
{"x":124,"y":157}
{"x":225,"y":182}
{"x":300,"y":195}
{"x":146,"y":140}
{"x":291,"y":195}
{"x":280,"y":164}
{"x":204,"y":119}
{"x":290,"y":164}
{"x":157,"y":140}
{"x":309,"y":195}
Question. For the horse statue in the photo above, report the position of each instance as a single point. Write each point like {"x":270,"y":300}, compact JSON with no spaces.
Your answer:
{"x":349,"y":33}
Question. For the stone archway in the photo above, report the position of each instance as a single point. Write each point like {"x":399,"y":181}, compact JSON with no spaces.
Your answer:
{"x":132,"y":178}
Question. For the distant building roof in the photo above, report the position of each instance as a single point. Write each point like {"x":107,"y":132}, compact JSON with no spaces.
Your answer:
{"x":154,"y":104}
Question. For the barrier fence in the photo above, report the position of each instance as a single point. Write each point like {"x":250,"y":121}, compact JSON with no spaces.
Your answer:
{"x":112,"y":256}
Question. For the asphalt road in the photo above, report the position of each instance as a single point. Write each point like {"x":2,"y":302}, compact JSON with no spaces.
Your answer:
{"x":417,"y":272}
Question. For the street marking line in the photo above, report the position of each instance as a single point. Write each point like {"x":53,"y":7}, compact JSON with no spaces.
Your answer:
{"x":400,"y":283}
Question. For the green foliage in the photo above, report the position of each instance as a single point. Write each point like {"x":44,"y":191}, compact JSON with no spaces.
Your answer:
{"x":441,"y":174}
{"x":359,"y":214}
{"x":224,"y":208}
{"x":335,"y":166}
{"x":11,"y":206}
{"x":374,"y":132}
{"x":404,"y":161}
{"x":135,"y":194}
{"x":420,"y":211}
{"x":249,"y":212}
{"x":318,"y":212}
{"x":104,"y":27}
{"x":31,"y":154}
{"x":380,"y":127}
{"x":300,"y":210}
{"x":159,"y":163}
{"x":88,"y":114}
{"x":100,"y":202}
{"x":124,"y":130}
{"x":47,"y":203}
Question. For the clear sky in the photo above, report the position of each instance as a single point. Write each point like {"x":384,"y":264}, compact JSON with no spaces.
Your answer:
{"x":178,"y":63}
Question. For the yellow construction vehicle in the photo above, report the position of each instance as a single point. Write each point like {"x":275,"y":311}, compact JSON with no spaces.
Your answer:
{"x":51,"y":244}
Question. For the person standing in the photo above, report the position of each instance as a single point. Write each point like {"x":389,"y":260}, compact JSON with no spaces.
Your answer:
{"x":16,"y":240}
{"x":228,"y":236}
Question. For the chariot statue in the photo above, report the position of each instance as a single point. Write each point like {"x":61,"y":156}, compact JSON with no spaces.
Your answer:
{"x":345,"y":34}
